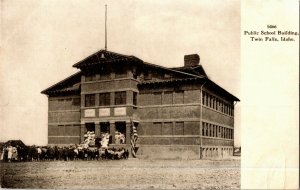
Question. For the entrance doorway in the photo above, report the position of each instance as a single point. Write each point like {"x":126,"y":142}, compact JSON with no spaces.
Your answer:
{"x":105,"y":130}
{"x":90,"y":127}
{"x":120,"y":136}
{"x":104,"y":127}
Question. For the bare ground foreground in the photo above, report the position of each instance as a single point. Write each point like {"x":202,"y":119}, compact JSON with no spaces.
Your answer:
{"x":123,"y":174}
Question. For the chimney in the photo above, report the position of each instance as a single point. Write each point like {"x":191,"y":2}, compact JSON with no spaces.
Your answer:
{"x":191,"y":60}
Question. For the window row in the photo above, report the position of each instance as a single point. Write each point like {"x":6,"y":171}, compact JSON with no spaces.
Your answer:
{"x":160,"y":98}
{"x":217,"y":104}
{"x":211,"y":130}
{"x":105,"y":76}
{"x":105,"y":99}
{"x":169,"y":128}
{"x":121,"y":73}
{"x":149,"y":74}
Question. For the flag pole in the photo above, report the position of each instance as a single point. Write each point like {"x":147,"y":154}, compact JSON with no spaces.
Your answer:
{"x":105,"y":27}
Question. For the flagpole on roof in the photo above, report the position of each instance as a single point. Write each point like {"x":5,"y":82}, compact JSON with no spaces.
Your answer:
{"x":105,"y":27}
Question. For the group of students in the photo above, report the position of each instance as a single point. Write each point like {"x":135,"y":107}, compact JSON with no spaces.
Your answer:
{"x":38,"y":153}
{"x":92,"y":148}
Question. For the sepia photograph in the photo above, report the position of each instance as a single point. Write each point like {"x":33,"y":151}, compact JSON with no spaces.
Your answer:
{"x":103,"y":94}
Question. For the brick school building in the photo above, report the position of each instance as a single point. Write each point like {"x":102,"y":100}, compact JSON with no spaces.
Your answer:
{"x":178,"y":112}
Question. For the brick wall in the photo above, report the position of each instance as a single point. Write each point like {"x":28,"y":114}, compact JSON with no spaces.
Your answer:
{"x":64,"y":120}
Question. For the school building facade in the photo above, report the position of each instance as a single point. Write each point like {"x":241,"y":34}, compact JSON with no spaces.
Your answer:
{"x":178,"y":112}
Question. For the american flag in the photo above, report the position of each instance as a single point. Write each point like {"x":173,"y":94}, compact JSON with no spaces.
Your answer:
{"x":134,"y":137}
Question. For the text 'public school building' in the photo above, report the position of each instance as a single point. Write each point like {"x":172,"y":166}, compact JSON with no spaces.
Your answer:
{"x":178,"y":112}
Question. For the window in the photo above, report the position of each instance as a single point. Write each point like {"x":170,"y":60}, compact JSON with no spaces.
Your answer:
{"x":216,"y":133}
{"x":221,"y":105}
{"x":228,"y":133}
{"x":120,"y":98}
{"x":89,"y":100}
{"x":222,"y":132}
{"x":134,"y":98}
{"x":104,"y":99}
{"x":203,"y":97}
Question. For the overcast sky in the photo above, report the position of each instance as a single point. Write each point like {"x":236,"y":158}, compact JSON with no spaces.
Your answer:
{"x":41,"y":40}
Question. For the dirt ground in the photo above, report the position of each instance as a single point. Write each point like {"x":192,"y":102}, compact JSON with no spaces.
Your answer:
{"x":123,"y":174}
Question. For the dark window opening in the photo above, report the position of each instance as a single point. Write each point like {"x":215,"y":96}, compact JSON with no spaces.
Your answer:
{"x":134,"y":98}
{"x":120,"y":98}
{"x":104,"y":99}
{"x":89,"y":100}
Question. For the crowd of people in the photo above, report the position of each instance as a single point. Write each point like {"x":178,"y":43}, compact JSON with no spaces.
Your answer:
{"x":92,"y":148}
{"x":40,"y":153}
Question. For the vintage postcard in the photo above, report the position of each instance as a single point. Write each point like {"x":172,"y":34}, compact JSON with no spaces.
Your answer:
{"x":192,"y":94}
